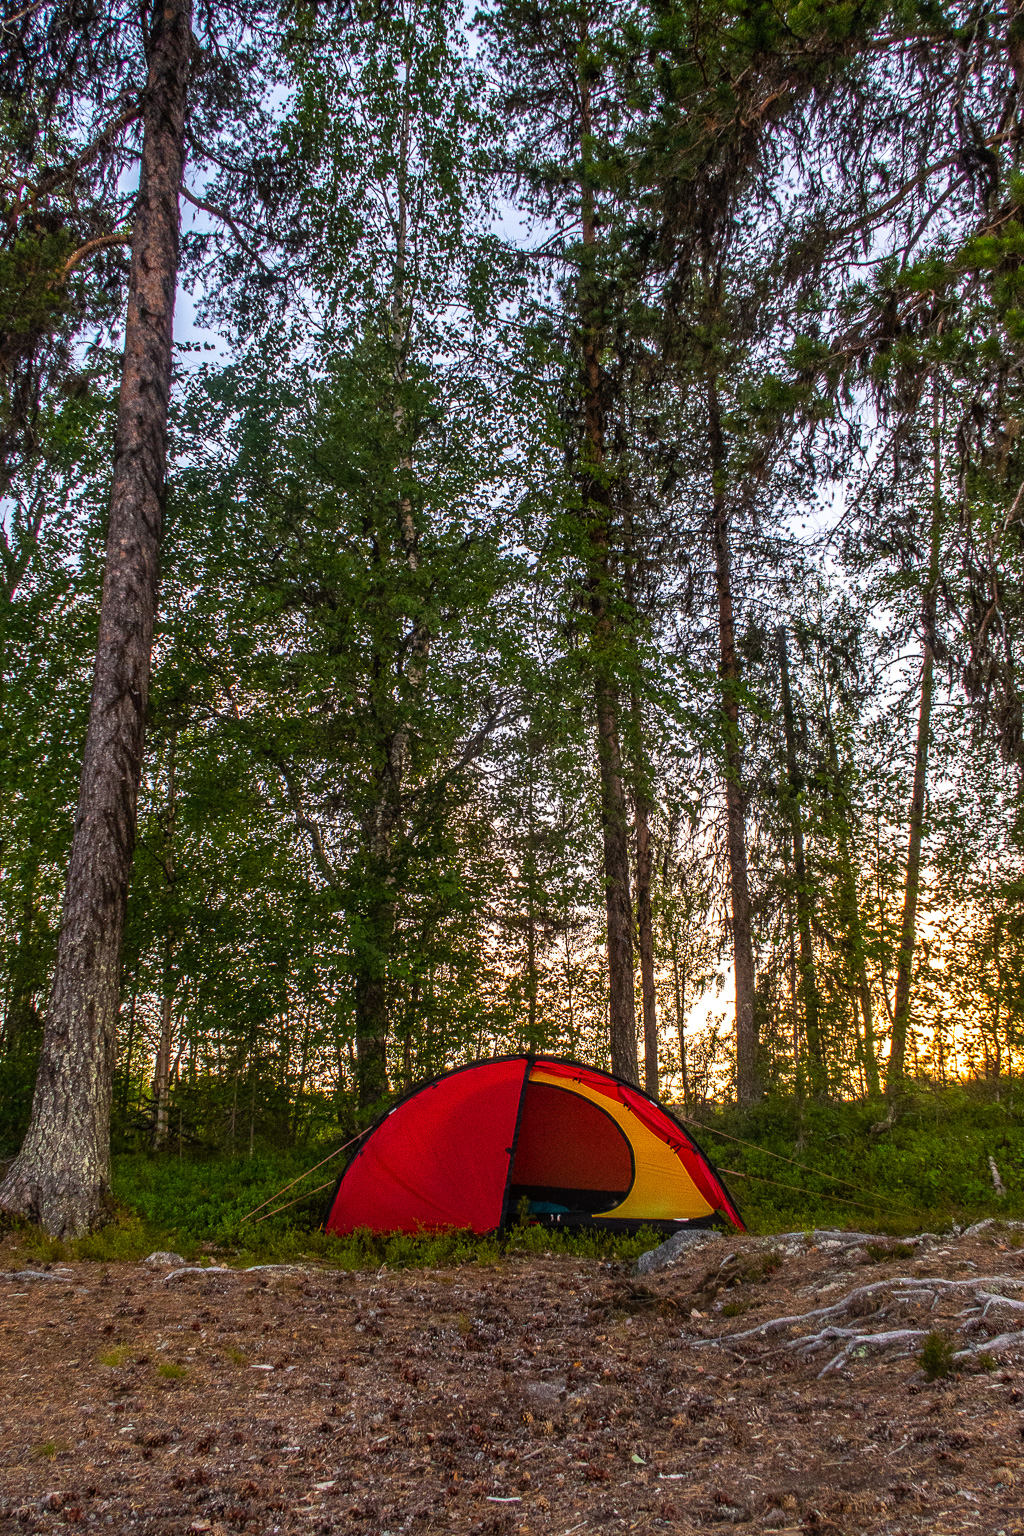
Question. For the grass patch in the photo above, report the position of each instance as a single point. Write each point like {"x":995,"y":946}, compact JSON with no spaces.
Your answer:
{"x":235,"y":1356}
{"x":884,"y":1253}
{"x":48,"y":1450}
{"x":116,"y":1356}
{"x":196,"y":1209}
{"x":171,"y":1372}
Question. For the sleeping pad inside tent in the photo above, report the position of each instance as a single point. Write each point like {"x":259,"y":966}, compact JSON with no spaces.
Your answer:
{"x":580,"y":1147}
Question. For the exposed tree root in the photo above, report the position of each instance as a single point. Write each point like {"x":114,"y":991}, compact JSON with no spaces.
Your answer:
{"x":37,"y":1274}
{"x":996,"y":1346}
{"x":875,"y":1302}
{"x":226,"y":1269}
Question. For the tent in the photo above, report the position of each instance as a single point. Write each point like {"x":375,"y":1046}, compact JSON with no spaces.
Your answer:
{"x":580,"y":1147}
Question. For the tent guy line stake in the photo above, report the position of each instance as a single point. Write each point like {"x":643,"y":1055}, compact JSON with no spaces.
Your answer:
{"x":306,"y":1175}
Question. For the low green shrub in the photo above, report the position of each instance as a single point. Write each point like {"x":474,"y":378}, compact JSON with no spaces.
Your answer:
{"x":936,"y":1357}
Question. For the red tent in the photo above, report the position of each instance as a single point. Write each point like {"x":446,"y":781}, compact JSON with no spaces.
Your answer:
{"x":579,"y":1147}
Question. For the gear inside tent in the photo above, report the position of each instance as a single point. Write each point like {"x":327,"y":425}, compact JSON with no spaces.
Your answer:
{"x":567,"y":1144}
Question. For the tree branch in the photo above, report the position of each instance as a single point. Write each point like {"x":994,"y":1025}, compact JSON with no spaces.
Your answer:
{"x":305,"y":824}
{"x":100,"y":243}
{"x":225,"y":218}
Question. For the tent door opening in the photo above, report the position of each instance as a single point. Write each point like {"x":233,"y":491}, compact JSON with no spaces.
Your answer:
{"x":571,"y":1157}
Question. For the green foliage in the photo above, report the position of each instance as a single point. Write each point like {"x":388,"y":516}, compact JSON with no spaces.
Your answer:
{"x":885,"y":1253}
{"x":928,"y":1171}
{"x":369,"y":818}
{"x":197,"y":1209}
{"x":117,"y":1356}
{"x":936,"y":1357}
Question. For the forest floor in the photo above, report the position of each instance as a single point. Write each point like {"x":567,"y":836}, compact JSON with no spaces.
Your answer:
{"x":524,"y":1396}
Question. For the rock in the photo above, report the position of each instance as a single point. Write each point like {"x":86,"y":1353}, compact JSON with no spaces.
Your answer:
{"x":994,"y":1225}
{"x":775,"y":1517}
{"x":546,"y":1391}
{"x":166,"y":1260}
{"x":735,"y":1514}
{"x":676,"y":1247}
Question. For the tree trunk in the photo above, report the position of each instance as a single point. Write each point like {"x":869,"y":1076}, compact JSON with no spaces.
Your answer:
{"x":372,"y":1009}
{"x":597,"y":513}
{"x":642,"y":823}
{"x":908,"y":928}
{"x":61,"y":1176}
{"x":808,"y":986}
{"x":645,"y":936}
{"x":618,"y":905}
{"x":129,"y":1053}
{"x":748,"y":1089}
{"x":680,"y":991}
{"x":896,"y":1070}
{"x":851,"y":912}
{"x":372,"y":1004}
{"x":162,"y":1073}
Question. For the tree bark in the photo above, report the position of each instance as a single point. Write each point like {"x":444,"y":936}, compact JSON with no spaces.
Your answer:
{"x":748,"y":1088}
{"x":162,"y":1069}
{"x":597,"y":513}
{"x":645,"y":938}
{"x":61,"y":1176}
{"x":808,"y":987}
{"x":642,"y":823}
{"x":896,"y":1070}
{"x":373,"y":1023}
{"x":372,"y":1009}
{"x":912,"y":888}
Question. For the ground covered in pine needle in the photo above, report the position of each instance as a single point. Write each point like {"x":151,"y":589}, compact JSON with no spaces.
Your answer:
{"x":530,"y":1395}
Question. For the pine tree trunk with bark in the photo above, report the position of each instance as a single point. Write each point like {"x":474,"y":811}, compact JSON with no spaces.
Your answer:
{"x":597,"y":513}
{"x":679,"y":979}
{"x":373,"y":1022}
{"x":642,"y":809}
{"x":748,"y":1089}
{"x":61,"y":1176}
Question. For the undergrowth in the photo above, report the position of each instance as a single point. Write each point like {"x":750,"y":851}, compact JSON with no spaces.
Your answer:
{"x":928,"y":1171}
{"x":198,"y":1210}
